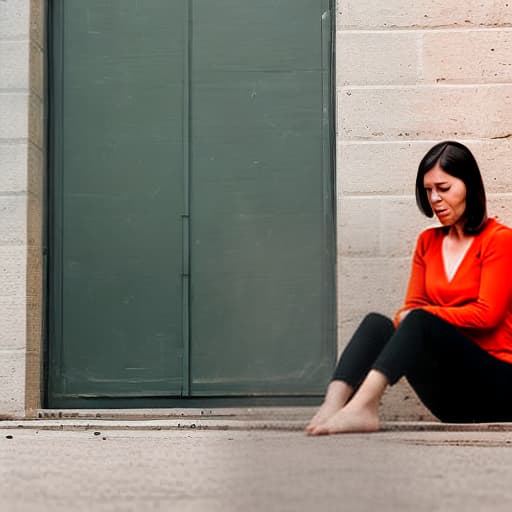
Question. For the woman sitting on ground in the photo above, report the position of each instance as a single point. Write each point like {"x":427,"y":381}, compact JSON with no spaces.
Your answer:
{"x":452,"y":339}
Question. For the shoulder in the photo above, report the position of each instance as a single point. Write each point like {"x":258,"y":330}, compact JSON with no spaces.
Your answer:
{"x":496,"y":229}
{"x":430,"y":235}
{"x":496,"y":234}
{"x":428,"y":239}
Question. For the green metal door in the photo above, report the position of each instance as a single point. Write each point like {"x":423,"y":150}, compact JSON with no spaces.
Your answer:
{"x":259,"y":236}
{"x":118,"y":197}
{"x":191,"y":227}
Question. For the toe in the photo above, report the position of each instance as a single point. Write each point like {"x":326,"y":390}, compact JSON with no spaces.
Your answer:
{"x":320,"y":430}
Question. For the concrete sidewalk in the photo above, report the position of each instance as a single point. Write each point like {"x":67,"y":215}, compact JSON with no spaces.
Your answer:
{"x":292,"y":419}
{"x":231,"y":463}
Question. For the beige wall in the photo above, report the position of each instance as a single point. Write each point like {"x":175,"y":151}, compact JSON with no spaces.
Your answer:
{"x":14,"y":106}
{"x":410,"y":74}
{"x":21,"y":185}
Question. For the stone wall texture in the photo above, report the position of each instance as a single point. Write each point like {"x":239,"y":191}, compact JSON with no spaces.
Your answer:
{"x":14,"y":147}
{"x":409,"y":74}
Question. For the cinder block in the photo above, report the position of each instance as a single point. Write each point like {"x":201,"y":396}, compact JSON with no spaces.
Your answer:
{"x":12,"y":324}
{"x":379,"y":226}
{"x":14,"y":115}
{"x":389,"y":168}
{"x":358,"y":226}
{"x":374,"y":14}
{"x":379,"y":168}
{"x":14,"y":19}
{"x":13,"y":220}
{"x":494,"y":160}
{"x":500,"y":207}
{"x":366,"y":285}
{"x":401,"y":224}
{"x":12,"y":298}
{"x":13,"y":262}
{"x":14,"y":56}
{"x":425,"y":112}
{"x":377,"y":58}
{"x":467,"y":56}
{"x":12,"y":381}
{"x":13,"y":159}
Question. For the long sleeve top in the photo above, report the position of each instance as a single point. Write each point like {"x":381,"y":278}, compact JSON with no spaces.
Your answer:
{"x":478,"y":299}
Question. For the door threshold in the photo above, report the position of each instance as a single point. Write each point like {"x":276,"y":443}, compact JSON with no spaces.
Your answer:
{"x":77,"y":402}
{"x":190,"y":413}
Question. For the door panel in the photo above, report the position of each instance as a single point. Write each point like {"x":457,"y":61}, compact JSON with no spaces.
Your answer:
{"x":258,"y":236}
{"x":119,"y":221}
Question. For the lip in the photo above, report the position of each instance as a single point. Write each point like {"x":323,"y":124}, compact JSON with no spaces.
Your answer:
{"x":442,"y":213}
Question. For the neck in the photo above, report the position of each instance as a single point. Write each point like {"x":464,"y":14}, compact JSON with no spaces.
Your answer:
{"x":457,"y":232}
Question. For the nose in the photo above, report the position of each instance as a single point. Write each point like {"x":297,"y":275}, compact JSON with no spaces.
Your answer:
{"x":435,"y":197}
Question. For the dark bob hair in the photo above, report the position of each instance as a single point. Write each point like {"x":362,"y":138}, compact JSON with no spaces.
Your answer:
{"x":455,"y":159}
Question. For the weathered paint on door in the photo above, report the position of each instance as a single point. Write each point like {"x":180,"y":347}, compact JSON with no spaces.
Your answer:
{"x":118,"y":201}
{"x":192,"y":225}
{"x":259,"y":237}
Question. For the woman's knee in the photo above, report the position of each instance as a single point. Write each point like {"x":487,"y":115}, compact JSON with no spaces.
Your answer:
{"x":417,"y":317}
{"x":377,"y":319}
{"x":374,"y":326}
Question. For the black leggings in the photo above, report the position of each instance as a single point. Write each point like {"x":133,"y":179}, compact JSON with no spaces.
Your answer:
{"x":456,"y":379}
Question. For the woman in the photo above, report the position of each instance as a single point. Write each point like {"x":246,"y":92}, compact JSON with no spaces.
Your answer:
{"x":452,"y":339}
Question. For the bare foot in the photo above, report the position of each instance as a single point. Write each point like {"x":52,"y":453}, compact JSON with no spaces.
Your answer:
{"x":326,"y":411}
{"x":338,"y":394}
{"x":349,"y":419}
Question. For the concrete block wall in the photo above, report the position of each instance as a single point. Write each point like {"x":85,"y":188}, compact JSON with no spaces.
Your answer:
{"x":410,"y":74}
{"x":14,"y":115}
{"x":21,"y":186}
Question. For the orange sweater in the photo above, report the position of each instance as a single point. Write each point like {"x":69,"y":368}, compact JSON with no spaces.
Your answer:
{"x":478,"y":300}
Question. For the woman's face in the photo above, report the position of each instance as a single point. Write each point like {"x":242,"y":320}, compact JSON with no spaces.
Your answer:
{"x":446,"y":195}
